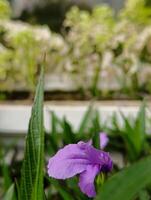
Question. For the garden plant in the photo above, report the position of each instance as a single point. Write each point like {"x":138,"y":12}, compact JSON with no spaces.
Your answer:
{"x":105,"y":55}
{"x":35,"y":177}
{"x":102,"y":53}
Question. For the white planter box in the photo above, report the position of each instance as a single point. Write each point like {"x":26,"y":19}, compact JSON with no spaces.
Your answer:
{"x":14,"y":118}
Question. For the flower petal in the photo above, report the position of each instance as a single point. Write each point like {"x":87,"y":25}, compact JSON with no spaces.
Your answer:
{"x":67,"y":162}
{"x":103,"y":140}
{"x":96,"y":156}
{"x":86,"y":181}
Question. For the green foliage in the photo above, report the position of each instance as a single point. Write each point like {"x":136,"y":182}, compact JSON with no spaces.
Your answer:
{"x":129,"y":140}
{"x":10,"y":193}
{"x":131,"y":136}
{"x":141,"y":13}
{"x":133,"y":133}
{"x":20,"y":56}
{"x":135,"y":136}
{"x":127,"y":183}
{"x":85,"y":121}
{"x":99,"y":51}
{"x":143,"y":195}
{"x":29,"y":47}
{"x":5,"y":10}
{"x":6,"y":175}
{"x":96,"y":130}
{"x":7,"y":182}
{"x":68,"y":134}
{"x":33,"y":163}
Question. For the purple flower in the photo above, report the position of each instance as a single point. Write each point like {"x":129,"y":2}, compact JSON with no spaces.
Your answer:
{"x":83,"y":159}
{"x":103,"y":140}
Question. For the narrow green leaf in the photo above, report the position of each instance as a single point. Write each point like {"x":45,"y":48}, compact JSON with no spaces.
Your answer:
{"x":54,"y":132}
{"x":5,"y":171}
{"x":53,"y":123}
{"x":85,"y":121}
{"x":17,"y":190}
{"x":10,"y":193}
{"x":6,"y":175}
{"x":126,"y":184}
{"x":134,"y":135}
{"x":68,"y":134}
{"x":115,"y":125}
{"x":139,"y":129}
{"x":33,"y":164}
{"x":95,"y":130}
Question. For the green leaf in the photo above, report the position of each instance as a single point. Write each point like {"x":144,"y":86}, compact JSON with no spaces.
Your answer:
{"x":126,"y":184}
{"x":85,"y":121}
{"x":68,"y":134}
{"x":143,"y":195}
{"x":139,"y":134}
{"x":96,"y":130}
{"x":61,"y":190}
{"x":72,"y":184}
{"x":54,"y":122}
{"x":6,"y":175}
{"x":5,"y":170}
{"x":33,"y":164}
{"x":65,"y":195}
{"x":54,"y":133}
{"x":10,"y":193}
{"x":134,"y":135}
{"x":17,"y":190}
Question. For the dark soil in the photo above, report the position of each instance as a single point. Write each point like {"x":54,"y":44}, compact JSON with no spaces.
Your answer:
{"x":77,"y":95}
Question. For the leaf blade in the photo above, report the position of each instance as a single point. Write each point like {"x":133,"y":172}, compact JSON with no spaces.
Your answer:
{"x":10,"y":193}
{"x":124,"y":185}
{"x":32,"y":169}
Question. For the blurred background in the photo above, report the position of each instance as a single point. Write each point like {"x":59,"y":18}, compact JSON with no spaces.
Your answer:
{"x":93,"y":49}
{"x":53,"y":12}
{"x":97,"y":54}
